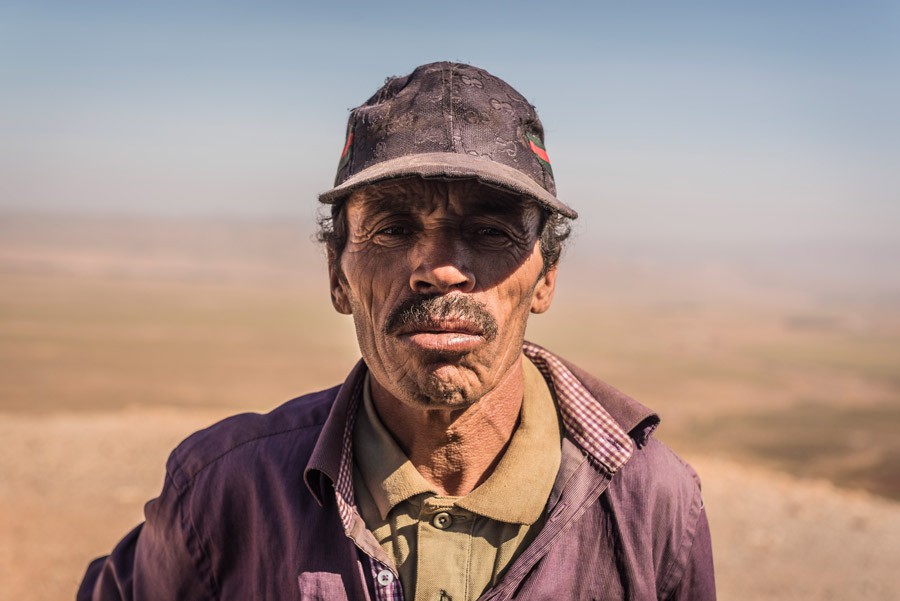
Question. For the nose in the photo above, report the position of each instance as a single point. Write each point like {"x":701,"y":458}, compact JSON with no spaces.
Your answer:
{"x":441,"y":264}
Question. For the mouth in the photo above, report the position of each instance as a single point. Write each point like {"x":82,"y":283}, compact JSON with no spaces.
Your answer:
{"x":442,"y":324}
{"x":443,"y":335}
{"x":448,"y":325}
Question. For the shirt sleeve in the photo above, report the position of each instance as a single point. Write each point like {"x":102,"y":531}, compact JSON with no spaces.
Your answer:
{"x":159,"y":560}
{"x":698,"y":581}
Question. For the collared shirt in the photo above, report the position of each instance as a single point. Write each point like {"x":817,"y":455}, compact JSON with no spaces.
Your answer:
{"x":584,"y":419}
{"x":455,"y":547}
{"x":260,"y":506}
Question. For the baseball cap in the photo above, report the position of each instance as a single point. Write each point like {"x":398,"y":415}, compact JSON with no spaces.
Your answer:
{"x":447,"y":120}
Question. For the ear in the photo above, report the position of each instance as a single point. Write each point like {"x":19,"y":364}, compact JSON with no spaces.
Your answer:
{"x":338,"y":285}
{"x":543,"y":291}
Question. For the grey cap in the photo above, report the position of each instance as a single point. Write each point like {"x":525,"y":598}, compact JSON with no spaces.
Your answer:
{"x":447,"y":120}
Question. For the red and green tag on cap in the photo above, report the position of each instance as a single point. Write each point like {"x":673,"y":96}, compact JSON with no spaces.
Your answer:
{"x":345,"y":154}
{"x":537,"y":147}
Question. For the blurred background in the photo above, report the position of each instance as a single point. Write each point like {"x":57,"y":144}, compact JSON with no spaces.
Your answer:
{"x":735,"y":265}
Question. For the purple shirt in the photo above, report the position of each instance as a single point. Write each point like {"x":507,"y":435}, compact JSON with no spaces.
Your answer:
{"x":262,"y":507}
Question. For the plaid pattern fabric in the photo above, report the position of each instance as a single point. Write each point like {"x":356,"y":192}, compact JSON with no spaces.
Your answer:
{"x":343,"y":488}
{"x":584,"y":419}
{"x":385,"y":590}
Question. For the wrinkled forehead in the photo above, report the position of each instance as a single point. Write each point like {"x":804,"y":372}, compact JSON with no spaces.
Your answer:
{"x":418,"y":195}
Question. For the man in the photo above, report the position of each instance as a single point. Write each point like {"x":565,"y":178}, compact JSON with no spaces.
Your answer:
{"x":456,"y":461}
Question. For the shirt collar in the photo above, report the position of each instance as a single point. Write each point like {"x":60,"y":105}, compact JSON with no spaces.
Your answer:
{"x":584,"y":418}
{"x":517,"y":490}
{"x":331,"y":461}
{"x":388,"y":473}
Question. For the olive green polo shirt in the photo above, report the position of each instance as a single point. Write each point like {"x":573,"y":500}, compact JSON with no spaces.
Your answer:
{"x":453,"y":548}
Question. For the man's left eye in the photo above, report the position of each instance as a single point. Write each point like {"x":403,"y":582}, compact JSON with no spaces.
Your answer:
{"x":490,"y":231}
{"x":394,"y":230}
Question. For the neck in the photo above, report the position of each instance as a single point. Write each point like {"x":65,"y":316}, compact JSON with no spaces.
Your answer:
{"x":455,"y":450}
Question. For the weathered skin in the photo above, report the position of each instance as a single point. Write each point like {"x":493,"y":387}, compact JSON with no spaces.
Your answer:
{"x":448,"y":379}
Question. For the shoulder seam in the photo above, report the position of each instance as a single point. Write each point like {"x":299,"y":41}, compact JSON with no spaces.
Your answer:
{"x":189,"y":480}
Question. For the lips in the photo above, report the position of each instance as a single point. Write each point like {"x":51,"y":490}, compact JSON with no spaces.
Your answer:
{"x":442,"y":336}
{"x":442,"y":326}
{"x":445,"y":323}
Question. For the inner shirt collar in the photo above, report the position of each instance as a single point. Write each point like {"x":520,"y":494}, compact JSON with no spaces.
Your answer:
{"x":517,"y":490}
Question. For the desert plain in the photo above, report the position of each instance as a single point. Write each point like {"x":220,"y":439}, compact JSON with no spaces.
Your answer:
{"x":778,"y":381}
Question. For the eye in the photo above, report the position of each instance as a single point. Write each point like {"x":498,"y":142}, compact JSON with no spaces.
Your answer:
{"x":393,"y":234}
{"x":394,"y":230}
{"x":490,"y":231}
{"x":491,"y":236}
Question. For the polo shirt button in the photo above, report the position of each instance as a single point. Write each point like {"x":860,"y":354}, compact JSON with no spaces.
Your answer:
{"x":385,"y":577}
{"x":442,"y":520}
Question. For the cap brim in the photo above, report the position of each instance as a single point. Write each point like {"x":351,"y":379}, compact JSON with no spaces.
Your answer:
{"x":449,"y":165}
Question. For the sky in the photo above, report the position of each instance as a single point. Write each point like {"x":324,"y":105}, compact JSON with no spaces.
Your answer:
{"x":672,"y":123}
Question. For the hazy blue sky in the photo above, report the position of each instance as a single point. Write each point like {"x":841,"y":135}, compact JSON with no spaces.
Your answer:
{"x":673,"y":121}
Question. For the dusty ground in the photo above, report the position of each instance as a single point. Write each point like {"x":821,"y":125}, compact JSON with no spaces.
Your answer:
{"x":117,"y":339}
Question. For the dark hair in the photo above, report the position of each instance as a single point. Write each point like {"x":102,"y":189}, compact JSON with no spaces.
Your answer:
{"x":555,"y":229}
{"x":332,"y":230}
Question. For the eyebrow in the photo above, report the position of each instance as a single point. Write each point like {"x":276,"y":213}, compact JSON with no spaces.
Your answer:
{"x":389,"y":203}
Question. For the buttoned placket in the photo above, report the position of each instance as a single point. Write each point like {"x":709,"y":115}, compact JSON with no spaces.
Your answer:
{"x":444,"y":539}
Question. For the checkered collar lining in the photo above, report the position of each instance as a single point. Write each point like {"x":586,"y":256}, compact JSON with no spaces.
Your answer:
{"x":584,"y":418}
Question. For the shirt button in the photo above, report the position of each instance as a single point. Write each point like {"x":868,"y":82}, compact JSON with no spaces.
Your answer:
{"x":442,"y":520}
{"x":385,"y":577}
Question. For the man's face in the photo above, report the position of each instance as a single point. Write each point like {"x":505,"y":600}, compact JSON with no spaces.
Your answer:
{"x":440,"y":277}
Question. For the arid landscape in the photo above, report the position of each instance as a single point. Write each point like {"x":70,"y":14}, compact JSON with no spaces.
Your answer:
{"x":119,"y":337}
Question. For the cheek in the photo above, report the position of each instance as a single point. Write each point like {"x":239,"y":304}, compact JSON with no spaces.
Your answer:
{"x":514,"y":296}
{"x":372,"y":281}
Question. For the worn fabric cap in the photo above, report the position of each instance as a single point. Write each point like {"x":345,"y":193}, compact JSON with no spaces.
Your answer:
{"x":447,"y":120}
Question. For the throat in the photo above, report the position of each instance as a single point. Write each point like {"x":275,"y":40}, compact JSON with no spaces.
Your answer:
{"x":461,"y":464}
{"x":456,"y":450}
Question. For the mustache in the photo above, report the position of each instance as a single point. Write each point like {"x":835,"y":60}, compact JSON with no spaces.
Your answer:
{"x":425,"y":310}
